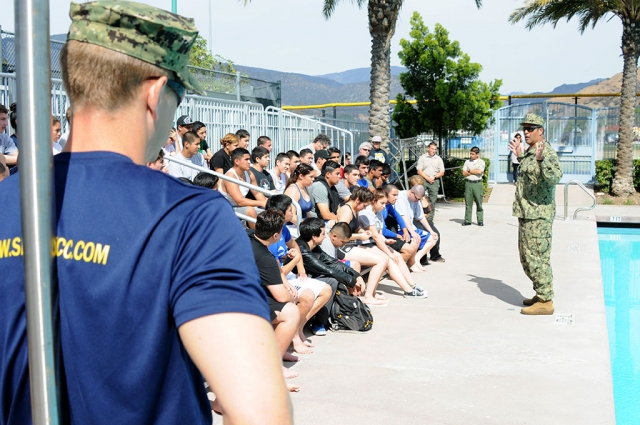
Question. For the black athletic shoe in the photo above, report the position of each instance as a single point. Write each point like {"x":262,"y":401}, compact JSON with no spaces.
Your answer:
{"x":481,"y":224}
{"x":466,"y":223}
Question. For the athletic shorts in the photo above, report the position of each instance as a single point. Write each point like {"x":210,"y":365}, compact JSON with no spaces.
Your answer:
{"x":397,"y":245}
{"x":341,"y":253}
{"x":314,"y":285}
{"x":275,"y":307}
{"x":424,"y":236}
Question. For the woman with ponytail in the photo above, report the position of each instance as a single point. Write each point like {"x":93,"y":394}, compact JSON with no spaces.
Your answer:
{"x":298,"y":189}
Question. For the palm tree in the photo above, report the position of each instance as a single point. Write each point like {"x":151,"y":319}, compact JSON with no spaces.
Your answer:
{"x":383,"y":15}
{"x":590,"y":12}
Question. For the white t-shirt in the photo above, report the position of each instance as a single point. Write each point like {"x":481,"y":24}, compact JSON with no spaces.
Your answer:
{"x":406,"y":208}
{"x":179,"y":170}
{"x":369,"y":218}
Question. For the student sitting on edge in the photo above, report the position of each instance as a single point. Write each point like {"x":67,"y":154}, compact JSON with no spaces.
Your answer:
{"x":288,"y":254}
{"x":348,"y":183}
{"x":282,"y":296}
{"x":236,"y":194}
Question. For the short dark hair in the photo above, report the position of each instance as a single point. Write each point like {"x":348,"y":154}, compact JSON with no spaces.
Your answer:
{"x":362,"y":160}
{"x":388,"y":188}
{"x":329,"y":167}
{"x":2,"y":168}
{"x":349,"y":168}
{"x":160,"y":155}
{"x":190,"y":137}
{"x":292,"y":154}
{"x":239,"y":153}
{"x":3,"y":109}
{"x":281,"y":157}
{"x":279,"y":203}
{"x":475,"y":149}
{"x":305,"y":152}
{"x":242,"y":133}
{"x":386,"y":169}
{"x":258,"y":152}
{"x":374,"y":164}
{"x":311,"y":227}
{"x":433,"y":144}
{"x":269,"y":223}
{"x":197,"y":125}
{"x":262,"y":140}
{"x":13,"y":117}
{"x":342,"y":229}
{"x":185,"y":180}
{"x":322,"y":138}
{"x":207,"y":180}
{"x":333,"y":149}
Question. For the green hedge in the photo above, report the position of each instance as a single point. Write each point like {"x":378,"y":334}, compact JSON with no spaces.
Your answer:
{"x":606,"y":171}
{"x":453,"y":180}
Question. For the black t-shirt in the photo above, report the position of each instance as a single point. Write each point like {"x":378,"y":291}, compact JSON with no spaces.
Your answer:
{"x":267,"y":265}
{"x":263,"y":179}
{"x":220,"y":159}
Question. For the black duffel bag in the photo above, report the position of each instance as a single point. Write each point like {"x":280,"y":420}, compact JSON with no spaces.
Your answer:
{"x":348,"y":313}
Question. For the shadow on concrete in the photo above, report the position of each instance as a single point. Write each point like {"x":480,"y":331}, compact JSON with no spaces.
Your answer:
{"x":389,"y":289}
{"x":498,"y":289}
{"x":457,"y":220}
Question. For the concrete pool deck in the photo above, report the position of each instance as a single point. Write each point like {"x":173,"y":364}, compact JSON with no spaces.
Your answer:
{"x":466,"y":355}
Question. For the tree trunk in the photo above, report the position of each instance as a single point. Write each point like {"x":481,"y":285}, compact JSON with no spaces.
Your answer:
{"x":383,"y":15}
{"x":623,"y":182}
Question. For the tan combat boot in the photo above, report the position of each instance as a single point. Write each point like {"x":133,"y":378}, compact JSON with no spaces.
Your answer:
{"x":530,"y":301}
{"x":541,"y":308}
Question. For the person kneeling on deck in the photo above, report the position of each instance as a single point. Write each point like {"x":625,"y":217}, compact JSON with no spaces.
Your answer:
{"x":236,"y":194}
{"x":288,"y":254}
{"x":189,"y":153}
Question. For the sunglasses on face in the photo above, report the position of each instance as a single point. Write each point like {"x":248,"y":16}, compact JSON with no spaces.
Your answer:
{"x":530,"y":129}
{"x":366,"y":150}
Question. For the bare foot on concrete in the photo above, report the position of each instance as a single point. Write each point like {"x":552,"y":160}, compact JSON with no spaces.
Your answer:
{"x":293,"y":388}
{"x":288,"y":373}
{"x":300,"y":347}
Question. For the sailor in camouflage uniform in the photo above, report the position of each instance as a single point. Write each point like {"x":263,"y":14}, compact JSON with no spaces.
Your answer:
{"x":535,"y":207}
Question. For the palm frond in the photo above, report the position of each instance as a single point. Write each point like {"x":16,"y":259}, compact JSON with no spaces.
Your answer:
{"x":329,"y":6}
{"x":589,"y":12}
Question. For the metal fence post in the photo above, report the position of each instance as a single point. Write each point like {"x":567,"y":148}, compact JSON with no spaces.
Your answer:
{"x":37,"y":204}
{"x":1,"y":53}
{"x":238,"y":86}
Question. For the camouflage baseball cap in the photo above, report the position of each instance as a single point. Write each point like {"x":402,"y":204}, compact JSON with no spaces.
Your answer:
{"x":533,"y":119}
{"x":138,"y":30}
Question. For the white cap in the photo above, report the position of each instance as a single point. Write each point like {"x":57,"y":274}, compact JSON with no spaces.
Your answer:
{"x":376,"y":139}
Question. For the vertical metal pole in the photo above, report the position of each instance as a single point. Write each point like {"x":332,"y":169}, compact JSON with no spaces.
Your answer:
{"x":174,"y":6}
{"x":210,"y":31}
{"x":238,"y":86}
{"x":1,"y":57}
{"x":34,"y":90}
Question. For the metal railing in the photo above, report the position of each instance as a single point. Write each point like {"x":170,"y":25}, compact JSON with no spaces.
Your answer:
{"x":221,"y":176}
{"x":294,"y":131}
{"x":566,"y":199}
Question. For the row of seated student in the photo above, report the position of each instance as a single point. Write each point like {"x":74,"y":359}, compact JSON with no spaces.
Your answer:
{"x":374,"y":229}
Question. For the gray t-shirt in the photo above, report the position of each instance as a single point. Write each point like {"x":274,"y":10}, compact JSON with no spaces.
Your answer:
{"x":369,"y":218}
{"x":319,"y":193}
{"x":342,"y":189}
{"x":7,"y":147}
{"x":179,"y":170}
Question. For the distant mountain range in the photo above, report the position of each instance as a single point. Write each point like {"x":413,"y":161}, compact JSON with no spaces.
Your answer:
{"x":353,"y":86}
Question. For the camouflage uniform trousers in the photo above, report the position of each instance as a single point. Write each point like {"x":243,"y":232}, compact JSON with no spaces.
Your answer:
{"x":534,"y":244}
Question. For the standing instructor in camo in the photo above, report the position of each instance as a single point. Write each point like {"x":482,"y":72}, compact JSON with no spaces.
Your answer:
{"x":535,"y":207}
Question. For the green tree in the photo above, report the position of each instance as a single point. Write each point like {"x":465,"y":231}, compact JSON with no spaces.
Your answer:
{"x":444,"y":82}
{"x":383,"y":15}
{"x":204,"y":66}
{"x":590,"y":12}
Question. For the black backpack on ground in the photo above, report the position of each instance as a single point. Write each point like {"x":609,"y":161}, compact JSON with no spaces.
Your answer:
{"x":348,"y":313}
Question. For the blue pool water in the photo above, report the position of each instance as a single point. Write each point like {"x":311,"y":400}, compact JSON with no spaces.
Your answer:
{"x":620,"y":258}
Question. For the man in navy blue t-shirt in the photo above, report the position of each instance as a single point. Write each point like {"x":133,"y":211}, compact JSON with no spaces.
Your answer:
{"x":149,"y":304}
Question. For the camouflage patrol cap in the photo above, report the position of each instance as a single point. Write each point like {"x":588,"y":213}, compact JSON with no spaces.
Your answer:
{"x":144,"y":32}
{"x":533,"y":119}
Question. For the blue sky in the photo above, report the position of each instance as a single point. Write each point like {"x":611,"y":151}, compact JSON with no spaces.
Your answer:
{"x":293,"y":36}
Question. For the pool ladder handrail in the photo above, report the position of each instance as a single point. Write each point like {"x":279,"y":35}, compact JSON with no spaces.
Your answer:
{"x":566,"y":199}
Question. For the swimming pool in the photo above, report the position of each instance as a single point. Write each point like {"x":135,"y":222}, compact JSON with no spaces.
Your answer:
{"x":620,"y":258}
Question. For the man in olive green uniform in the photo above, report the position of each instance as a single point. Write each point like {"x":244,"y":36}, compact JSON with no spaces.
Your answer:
{"x":431,"y":167}
{"x":535,"y":207}
{"x":472,"y":171}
